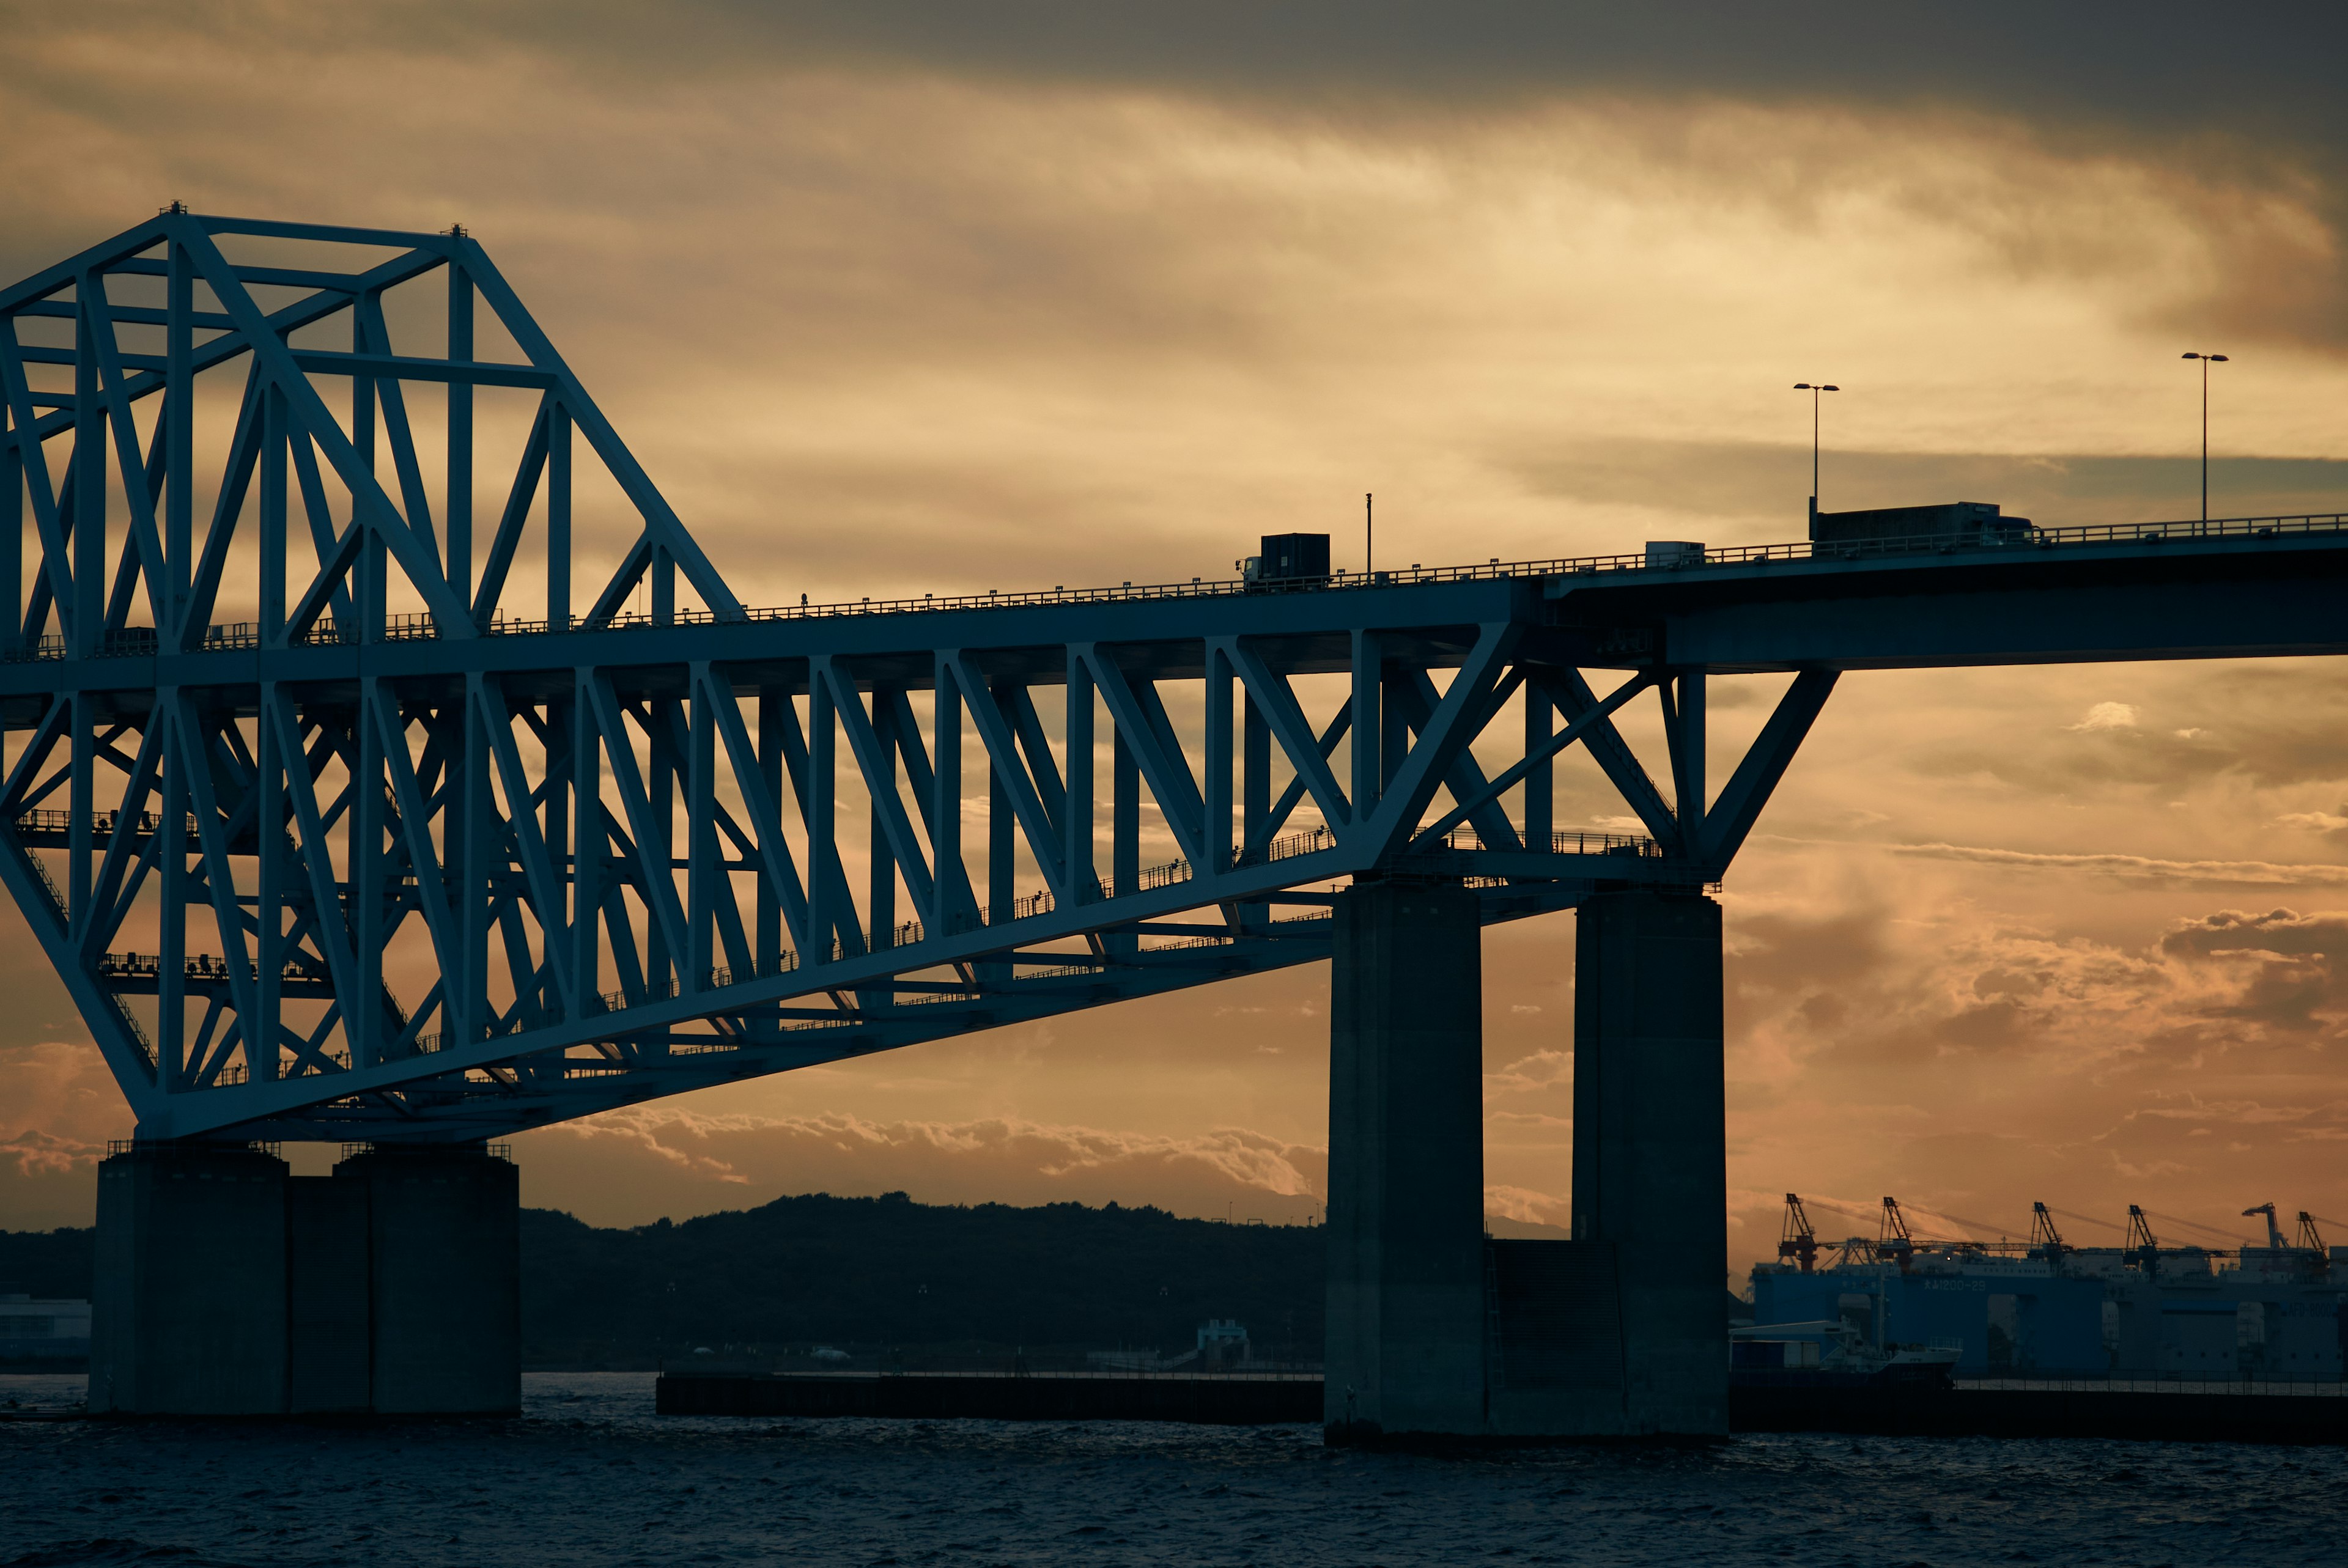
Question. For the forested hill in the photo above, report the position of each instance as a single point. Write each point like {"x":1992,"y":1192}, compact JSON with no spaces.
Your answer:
{"x":887,"y":1271}
{"x":868,"y":1273}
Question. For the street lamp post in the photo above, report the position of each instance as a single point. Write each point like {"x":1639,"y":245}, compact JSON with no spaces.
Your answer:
{"x":2207,"y":361}
{"x":1814,"y":391}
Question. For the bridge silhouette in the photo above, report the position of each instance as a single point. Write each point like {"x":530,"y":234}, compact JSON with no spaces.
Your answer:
{"x":347,"y":812}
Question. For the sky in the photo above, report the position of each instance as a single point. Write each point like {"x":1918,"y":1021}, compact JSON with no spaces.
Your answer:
{"x":895,"y":298}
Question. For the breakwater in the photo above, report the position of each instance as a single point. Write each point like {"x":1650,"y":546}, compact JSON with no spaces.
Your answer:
{"x":1244,"y":1399}
{"x":2180,"y":1412}
{"x":2151,"y":1412}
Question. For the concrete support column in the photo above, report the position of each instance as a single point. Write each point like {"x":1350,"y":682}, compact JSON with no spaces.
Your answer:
{"x":1405,"y":1226}
{"x":227,"y":1287}
{"x":444,"y":1279}
{"x":1649,"y":1170}
{"x":187,"y":1307}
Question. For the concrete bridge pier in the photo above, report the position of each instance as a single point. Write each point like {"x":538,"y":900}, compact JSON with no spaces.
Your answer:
{"x":1434,"y":1330}
{"x":188,"y":1305}
{"x":1650,"y":1163}
{"x":444,"y":1257}
{"x":227,"y":1287}
{"x":1404,"y":1332}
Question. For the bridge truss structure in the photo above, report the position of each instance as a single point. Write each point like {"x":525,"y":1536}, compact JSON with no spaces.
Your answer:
{"x":342,"y":818}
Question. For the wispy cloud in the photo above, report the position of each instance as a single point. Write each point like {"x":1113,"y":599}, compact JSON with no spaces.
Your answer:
{"x":2135,"y":868}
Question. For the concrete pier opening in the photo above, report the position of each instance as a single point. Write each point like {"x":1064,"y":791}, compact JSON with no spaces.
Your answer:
{"x":1436,"y":1330}
{"x":227,"y":1286}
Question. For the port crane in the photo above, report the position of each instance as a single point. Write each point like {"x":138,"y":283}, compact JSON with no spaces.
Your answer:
{"x":1797,"y":1241}
{"x":2045,"y":1241}
{"x":2143,"y":1249}
{"x":1891,"y":1239}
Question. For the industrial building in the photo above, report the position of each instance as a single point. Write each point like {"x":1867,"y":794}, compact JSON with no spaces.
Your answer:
{"x":2044,"y":1308}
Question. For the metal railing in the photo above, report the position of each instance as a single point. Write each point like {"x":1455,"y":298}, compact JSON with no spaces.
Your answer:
{"x":141,"y":642}
{"x":170,"y":1147}
{"x":102,"y":824}
{"x":199,"y":968}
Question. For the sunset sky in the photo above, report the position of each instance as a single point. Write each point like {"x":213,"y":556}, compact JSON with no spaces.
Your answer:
{"x":899,"y":298}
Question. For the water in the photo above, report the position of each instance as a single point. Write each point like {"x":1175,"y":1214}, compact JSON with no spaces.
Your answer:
{"x":590,"y":1475}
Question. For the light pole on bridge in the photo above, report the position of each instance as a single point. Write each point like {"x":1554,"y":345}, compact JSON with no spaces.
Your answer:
{"x":1814,"y":392}
{"x":2207,"y":361}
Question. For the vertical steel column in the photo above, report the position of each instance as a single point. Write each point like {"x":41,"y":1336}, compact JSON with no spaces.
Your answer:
{"x":950,"y":876}
{"x":272,"y":518}
{"x":1393,"y":735}
{"x":824,"y":877}
{"x":1002,"y":878}
{"x":658,"y":857}
{"x":554,"y":830}
{"x":558,"y":517}
{"x":1540,"y":780}
{"x":1125,"y":829}
{"x":1002,"y":884}
{"x":880,"y":861}
{"x":469,"y":798}
{"x":179,"y":418}
{"x":172,"y":859}
{"x":88,"y":475}
{"x":12,"y":555}
{"x":703,"y":875}
{"x":1077,"y":817}
{"x":767,"y":920}
{"x":1216,"y":763}
{"x":1368,"y":753}
{"x":1255,"y":775}
{"x":460,"y":436}
{"x":368,"y":596}
{"x":79,"y":825}
{"x":273,"y":885}
{"x":370,"y":916}
{"x":1684,"y":700}
{"x":704,"y":879}
{"x":588,"y":838}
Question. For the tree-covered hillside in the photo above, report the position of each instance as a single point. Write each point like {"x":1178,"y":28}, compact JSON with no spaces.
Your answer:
{"x":889,"y":1271}
{"x":868,"y":1273}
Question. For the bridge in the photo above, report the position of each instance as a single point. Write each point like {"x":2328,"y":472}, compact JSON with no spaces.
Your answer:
{"x":348,"y":808}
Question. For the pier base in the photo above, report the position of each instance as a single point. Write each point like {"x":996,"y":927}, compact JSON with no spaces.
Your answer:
{"x":226,"y":1286}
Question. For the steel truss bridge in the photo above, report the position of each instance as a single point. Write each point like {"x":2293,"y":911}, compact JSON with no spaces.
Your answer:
{"x":341,"y":816}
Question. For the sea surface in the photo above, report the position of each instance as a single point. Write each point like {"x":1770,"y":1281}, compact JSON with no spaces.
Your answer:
{"x":589,"y":1474}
